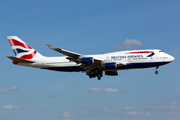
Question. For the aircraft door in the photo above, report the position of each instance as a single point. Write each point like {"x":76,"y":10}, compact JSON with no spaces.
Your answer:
{"x":43,"y":65}
{"x":151,"y":59}
{"x":129,"y":59}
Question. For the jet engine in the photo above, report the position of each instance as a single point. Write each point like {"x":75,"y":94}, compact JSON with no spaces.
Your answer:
{"x":112,"y":73}
{"x":86,"y":60}
{"x":111,"y":65}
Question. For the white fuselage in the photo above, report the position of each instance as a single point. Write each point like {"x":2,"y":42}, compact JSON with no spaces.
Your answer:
{"x":93,"y":65}
{"x":132,"y":59}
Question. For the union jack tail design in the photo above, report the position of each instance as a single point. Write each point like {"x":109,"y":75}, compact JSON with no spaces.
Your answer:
{"x":21,"y":49}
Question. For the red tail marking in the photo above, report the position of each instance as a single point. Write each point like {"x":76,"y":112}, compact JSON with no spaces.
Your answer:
{"x":14,"y":62}
{"x":29,"y":56}
{"x":17,"y":43}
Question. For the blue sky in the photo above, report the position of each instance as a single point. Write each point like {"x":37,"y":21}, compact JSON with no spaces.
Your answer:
{"x":90,"y":27}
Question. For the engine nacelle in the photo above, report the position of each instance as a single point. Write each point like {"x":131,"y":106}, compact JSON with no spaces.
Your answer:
{"x":87,"y":60}
{"x":112,"y":73}
{"x":111,"y":65}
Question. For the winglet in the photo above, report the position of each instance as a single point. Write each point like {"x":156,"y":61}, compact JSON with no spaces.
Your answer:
{"x":50,"y":46}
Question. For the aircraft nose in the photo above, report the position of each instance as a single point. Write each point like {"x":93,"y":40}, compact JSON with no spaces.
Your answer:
{"x":172,"y":58}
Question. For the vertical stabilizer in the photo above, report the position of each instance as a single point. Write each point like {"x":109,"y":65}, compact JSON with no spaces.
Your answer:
{"x":21,"y":49}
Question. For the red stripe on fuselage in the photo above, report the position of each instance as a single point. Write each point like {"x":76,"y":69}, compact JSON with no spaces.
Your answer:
{"x":29,"y":56}
{"x":17,"y":43}
{"x":140,"y":52}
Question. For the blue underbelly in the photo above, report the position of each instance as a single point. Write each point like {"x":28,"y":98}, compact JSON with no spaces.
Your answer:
{"x":142,"y":65}
{"x":128,"y":66}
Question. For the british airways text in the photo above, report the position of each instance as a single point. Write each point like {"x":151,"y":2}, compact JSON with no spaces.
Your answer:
{"x":129,"y":56}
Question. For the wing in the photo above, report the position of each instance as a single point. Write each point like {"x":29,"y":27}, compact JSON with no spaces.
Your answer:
{"x":75,"y":57}
{"x":65,"y":52}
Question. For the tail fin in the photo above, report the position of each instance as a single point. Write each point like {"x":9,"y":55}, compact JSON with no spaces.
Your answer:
{"x":21,"y":49}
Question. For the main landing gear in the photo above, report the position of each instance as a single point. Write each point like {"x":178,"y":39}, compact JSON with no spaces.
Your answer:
{"x":156,"y":72}
{"x":96,"y":74}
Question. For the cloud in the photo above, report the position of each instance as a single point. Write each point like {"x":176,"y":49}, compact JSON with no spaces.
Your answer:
{"x":129,"y":44}
{"x":105,"y":90}
{"x":161,"y":107}
{"x":3,"y":90}
{"x":130,"y":108}
{"x":14,"y":88}
{"x":109,"y":97}
{"x":121,"y":112}
{"x":174,"y":113}
{"x":128,"y":111}
{"x":136,"y":113}
{"x":10,"y":107}
{"x":67,"y":116}
{"x":1,"y":115}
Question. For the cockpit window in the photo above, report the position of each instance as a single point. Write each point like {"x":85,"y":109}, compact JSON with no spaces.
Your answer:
{"x":160,"y":51}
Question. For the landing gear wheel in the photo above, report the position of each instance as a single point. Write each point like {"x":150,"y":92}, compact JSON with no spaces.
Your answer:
{"x":99,"y":78}
{"x":156,"y":72}
{"x":90,"y":76}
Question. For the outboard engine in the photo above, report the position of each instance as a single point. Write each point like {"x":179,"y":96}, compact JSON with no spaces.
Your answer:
{"x":110,"y":65}
{"x":112,"y":73}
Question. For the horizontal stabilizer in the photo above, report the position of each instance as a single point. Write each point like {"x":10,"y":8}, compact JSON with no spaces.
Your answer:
{"x":19,"y":60}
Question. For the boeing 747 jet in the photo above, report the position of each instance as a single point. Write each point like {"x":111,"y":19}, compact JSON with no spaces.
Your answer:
{"x":92,"y":65}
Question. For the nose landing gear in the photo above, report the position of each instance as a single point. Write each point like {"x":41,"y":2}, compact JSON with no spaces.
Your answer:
{"x":156,"y":72}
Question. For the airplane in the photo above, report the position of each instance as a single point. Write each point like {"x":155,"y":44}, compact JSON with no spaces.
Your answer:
{"x":92,"y":65}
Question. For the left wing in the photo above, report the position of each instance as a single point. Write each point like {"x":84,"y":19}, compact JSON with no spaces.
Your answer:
{"x":75,"y":57}
{"x":65,"y":52}
{"x":87,"y":63}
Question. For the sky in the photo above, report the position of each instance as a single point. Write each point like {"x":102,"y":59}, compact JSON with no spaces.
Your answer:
{"x":90,"y":27}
